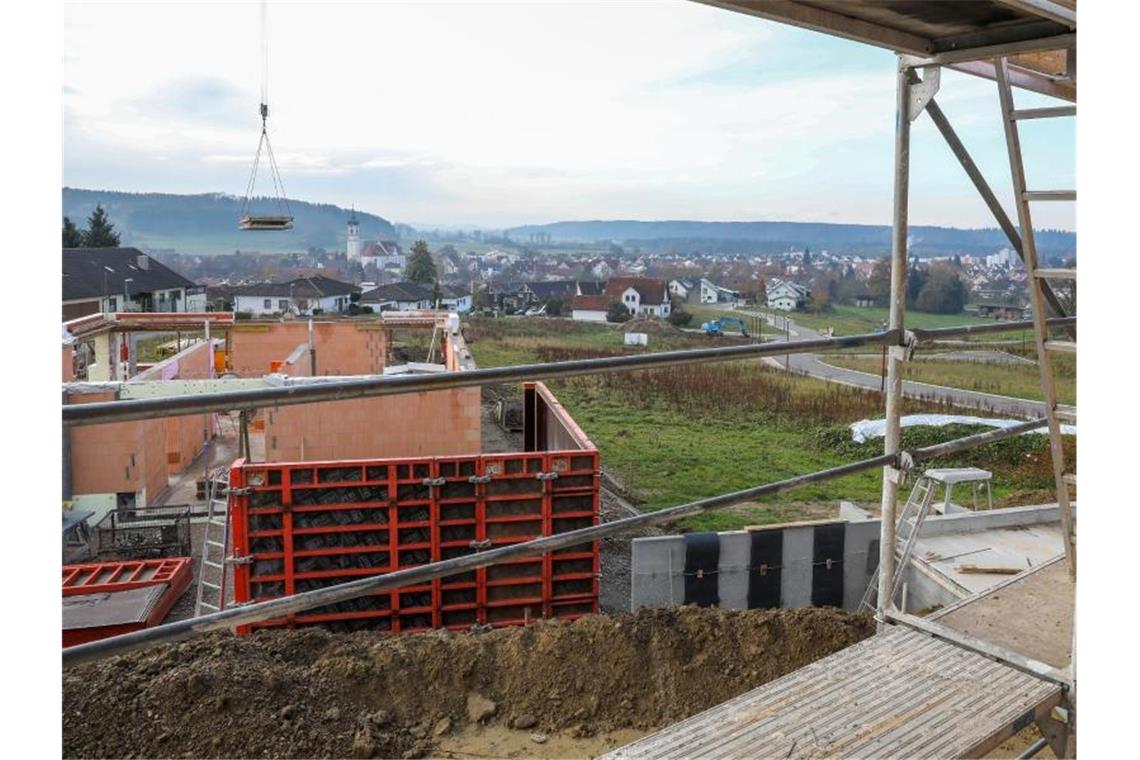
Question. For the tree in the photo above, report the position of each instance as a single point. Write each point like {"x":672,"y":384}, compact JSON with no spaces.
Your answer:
{"x":617,"y":312}
{"x":72,"y":236}
{"x":879,"y":282}
{"x":421,"y":268}
{"x":942,"y":292}
{"x":678,"y":317}
{"x":100,"y":232}
{"x":436,"y":295}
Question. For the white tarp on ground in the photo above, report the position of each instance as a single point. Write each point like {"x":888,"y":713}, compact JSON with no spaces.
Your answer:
{"x":864,"y":429}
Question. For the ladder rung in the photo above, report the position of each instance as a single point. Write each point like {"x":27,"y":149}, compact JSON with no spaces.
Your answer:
{"x":1066,"y":413}
{"x":1044,"y":113}
{"x":1070,"y":478}
{"x":208,"y":563}
{"x":215,"y":543}
{"x":1066,"y":346}
{"x":1055,"y":274}
{"x":214,"y":607}
{"x":207,"y":584}
{"x":1050,"y":195}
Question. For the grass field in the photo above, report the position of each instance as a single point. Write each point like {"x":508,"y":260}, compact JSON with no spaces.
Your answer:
{"x":1019,"y":380}
{"x":683,"y":433}
{"x":848,"y":320}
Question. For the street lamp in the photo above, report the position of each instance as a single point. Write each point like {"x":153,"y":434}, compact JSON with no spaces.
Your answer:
{"x":106,"y":295}
{"x":127,"y":293}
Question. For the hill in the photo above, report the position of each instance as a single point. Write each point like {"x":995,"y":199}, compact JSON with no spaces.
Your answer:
{"x":775,"y":237}
{"x":207,"y":223}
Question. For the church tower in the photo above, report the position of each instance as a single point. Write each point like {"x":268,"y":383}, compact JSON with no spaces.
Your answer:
{"x":353,"y":237}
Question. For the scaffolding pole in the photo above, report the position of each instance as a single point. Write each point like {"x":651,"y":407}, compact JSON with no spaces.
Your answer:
{"x":896,"y":350}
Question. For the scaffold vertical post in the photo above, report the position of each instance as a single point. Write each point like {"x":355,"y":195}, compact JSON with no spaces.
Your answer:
{"x":895,"y":353}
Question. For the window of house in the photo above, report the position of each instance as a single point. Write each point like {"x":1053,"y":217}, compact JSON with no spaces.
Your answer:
{"x":267,"y":304}
{"x":283,"y":304}
{"x":112,"y":304}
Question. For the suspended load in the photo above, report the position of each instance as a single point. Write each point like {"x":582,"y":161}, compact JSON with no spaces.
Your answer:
{"x":283,"y":220}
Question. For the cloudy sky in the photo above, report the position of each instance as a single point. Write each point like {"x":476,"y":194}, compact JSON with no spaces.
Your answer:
{"x":496,"y":114}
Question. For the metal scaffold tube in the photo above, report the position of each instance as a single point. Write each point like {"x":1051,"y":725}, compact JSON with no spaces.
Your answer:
{"x":895,"y":352}
{"x":275,"y":608}
{"x":339,"y":390}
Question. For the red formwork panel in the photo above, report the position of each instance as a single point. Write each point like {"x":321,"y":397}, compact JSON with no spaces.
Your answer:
{"x":121,"y":597}
{"x":108,"y":577}
{"x":305,"y":525}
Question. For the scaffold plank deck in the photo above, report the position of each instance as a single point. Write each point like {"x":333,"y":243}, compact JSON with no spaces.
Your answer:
{"x":899,"y":693}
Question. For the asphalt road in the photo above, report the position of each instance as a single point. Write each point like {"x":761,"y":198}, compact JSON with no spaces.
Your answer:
{"x":812,"y":365}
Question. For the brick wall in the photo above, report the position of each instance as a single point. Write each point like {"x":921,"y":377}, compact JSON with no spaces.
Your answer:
{"x":343,"y":348}
{"x":435,"y":423}
{"x":117,"y":457}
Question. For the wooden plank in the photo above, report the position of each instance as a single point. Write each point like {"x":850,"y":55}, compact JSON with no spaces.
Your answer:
{"x":987,"y":570}
{"x":900,"y":693}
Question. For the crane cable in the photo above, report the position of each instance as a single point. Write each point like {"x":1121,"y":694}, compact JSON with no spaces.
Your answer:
{"x":263,"y":142}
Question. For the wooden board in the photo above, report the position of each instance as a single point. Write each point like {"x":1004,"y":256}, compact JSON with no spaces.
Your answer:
{"x":1031,"y":613}
{"x":899,"y":693}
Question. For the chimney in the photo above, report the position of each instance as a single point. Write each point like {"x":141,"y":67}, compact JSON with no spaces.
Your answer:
{"x":144,"y":261}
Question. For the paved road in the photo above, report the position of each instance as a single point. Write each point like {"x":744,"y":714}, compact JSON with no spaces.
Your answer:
{"x":811,"y":364}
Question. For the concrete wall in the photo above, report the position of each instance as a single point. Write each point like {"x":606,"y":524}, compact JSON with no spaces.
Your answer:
{"x":343,"y":348}
{"x":659,"y":561}
{"x":436,"y":423}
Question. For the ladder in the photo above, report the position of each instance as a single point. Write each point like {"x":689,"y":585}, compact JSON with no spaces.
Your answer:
{"x":1039,"y":277}
{"x":909,"y":524}
{"x":215,"y":547}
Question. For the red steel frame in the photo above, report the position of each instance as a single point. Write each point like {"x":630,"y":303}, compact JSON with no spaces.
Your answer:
{"x":108,"y":577}
{"x":300,"y":525}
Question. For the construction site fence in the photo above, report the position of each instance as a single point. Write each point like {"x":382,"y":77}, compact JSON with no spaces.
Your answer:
{"x":260,"y":612}
{"x":339,"y":390}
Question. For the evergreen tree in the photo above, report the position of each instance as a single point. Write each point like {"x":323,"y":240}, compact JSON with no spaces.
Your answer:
{"x":72,"y":236}
{"x":421,"y":267}
{"x":100,"y":232}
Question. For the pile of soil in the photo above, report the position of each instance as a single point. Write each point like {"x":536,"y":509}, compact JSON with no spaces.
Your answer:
{"x":317,"y":694}
{"x":651,"y":326}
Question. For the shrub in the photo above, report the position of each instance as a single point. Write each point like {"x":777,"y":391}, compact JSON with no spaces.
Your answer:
{"x":617,"y":312}
{"x":679,"y":317}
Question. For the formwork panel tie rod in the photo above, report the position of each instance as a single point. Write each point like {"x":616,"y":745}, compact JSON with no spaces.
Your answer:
{"x":256,"y":398}
{"x":276,"y":608}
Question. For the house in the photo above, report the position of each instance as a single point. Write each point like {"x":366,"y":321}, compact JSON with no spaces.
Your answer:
{"x":456,"y":299}
{"x":641,"y":296}
{"x":383,"y":254}
{"x":589,"y":288}
{"x":589,"y":308}
{"x":510,"y":297}
{"x":123,"y":279}
{"x":701,"y":290}
{"x":398,"y":296}
{"x":864,"y":301}
{"x":302,"y":297}
{"x":787,"y":295}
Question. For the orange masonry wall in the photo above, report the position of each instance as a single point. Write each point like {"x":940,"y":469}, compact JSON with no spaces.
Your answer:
{"x":117,"y":457}
{"x":343,"y":348}
{"x":437,"y":423}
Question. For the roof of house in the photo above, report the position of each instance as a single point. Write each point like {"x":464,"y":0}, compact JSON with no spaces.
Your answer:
{"x":651,"y":290}
{"x":454,"y":291}
{"x":553,"y":289}
{"x":397,"y":291}
{"x":801,"y":290}
{"x":317,"y":286}
{"x":381,"y":248}
{"x":591,"y":287}
{"x":97,"y":272}
{"x":591,"y":303}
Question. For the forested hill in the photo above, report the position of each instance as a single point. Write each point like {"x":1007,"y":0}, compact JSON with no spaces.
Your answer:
{"x":208,"y":223}
{"x":774,"y":237}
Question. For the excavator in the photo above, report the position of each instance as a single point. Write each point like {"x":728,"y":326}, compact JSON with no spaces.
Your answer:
{"x":716,"y":327}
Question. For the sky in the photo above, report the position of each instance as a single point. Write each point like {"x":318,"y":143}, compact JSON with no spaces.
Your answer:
{"x":498,"y":114}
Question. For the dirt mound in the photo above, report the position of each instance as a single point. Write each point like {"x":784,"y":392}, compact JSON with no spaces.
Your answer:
{"x":317,"y":694}
{"x":651,"y":326}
